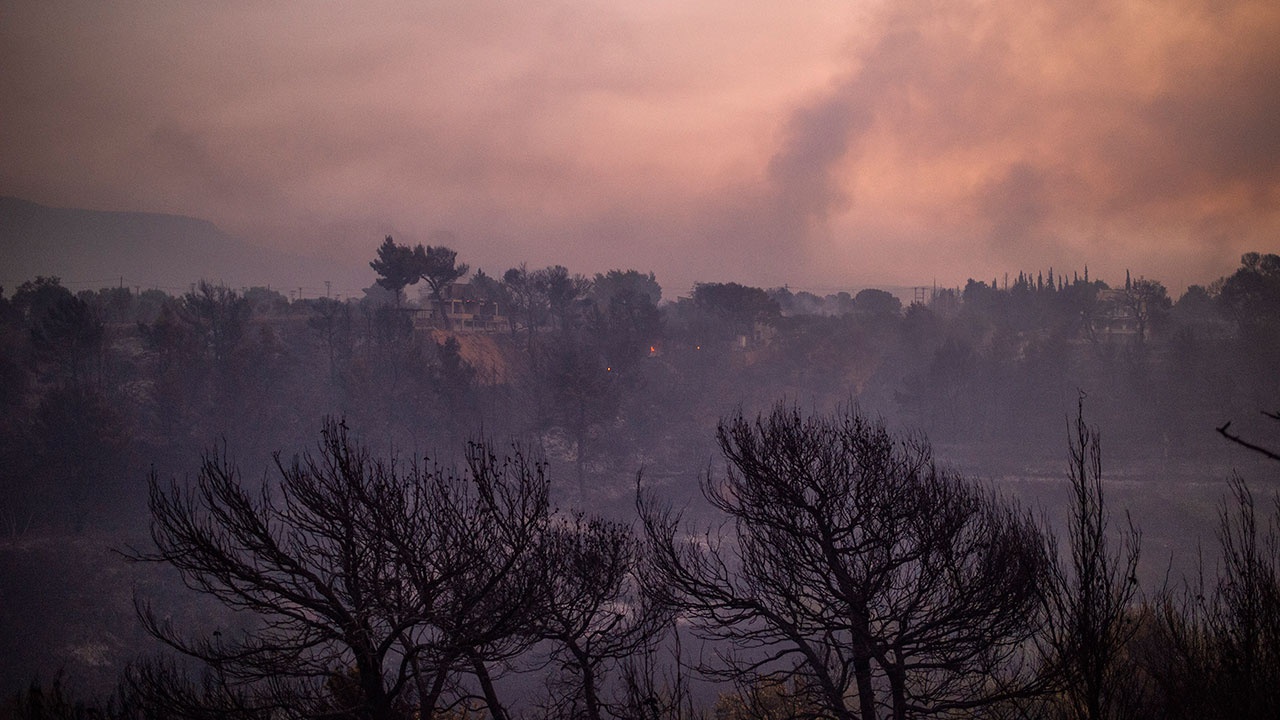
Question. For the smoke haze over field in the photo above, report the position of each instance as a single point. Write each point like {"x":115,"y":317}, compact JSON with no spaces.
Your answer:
{"x":831,"y":145}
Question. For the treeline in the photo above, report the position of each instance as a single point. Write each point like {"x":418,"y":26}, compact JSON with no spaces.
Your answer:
{"x":97,"y":386}
{"x":844,"y":575}
{"x":100,"y":385}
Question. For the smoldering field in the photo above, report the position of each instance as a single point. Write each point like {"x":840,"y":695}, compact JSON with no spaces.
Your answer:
{"x":616,"y":387}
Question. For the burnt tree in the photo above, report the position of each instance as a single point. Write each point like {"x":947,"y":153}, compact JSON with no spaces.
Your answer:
{"x":375,"y":588}
{"x":1095,"y":597}
{"x":856,"y":570}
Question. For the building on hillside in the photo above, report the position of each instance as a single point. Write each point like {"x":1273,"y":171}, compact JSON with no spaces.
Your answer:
{"x":1114,"y":316}
{"x":465,"y":309}
{"x":761,"y":334}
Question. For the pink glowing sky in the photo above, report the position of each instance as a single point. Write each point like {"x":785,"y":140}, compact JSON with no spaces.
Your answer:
{"x":825,"y":145}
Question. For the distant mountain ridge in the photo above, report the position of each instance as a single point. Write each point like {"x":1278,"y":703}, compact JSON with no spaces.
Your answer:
{"x":95,"y":248}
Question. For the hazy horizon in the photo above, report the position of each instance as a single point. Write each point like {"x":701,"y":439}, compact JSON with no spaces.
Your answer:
{"x":836,"y":146}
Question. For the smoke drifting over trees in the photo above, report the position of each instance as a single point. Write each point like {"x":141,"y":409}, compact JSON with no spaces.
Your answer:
{"x":853,"y":575}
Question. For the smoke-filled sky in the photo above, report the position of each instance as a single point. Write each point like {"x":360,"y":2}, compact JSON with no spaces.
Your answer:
{"x":822,"y":144}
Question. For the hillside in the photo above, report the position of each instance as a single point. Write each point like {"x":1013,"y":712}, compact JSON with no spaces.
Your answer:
{"x":89,"y":249}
